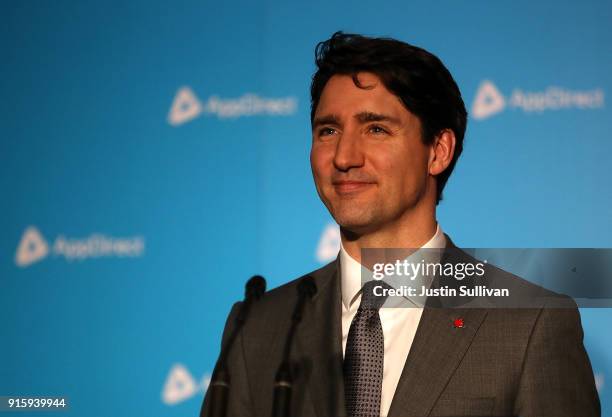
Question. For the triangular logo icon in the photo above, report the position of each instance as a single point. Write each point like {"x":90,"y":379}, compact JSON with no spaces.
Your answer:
{"x":488,"y":101}
{"x":599,"y":382}
{"x":32,"y":247}
{"x":185,"y":107}
{"x":179,"y":385}
{"x":329,"y":243}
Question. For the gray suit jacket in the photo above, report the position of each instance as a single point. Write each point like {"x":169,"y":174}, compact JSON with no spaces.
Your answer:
{"x":527,"y":362}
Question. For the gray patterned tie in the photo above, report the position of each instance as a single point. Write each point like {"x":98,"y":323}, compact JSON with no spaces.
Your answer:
{"x":364,"y":357}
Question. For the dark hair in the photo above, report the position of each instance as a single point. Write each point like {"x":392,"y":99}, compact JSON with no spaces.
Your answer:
{"x":417,"y":77}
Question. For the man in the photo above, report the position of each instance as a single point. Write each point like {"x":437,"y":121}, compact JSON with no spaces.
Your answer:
{"x":387,"y":129}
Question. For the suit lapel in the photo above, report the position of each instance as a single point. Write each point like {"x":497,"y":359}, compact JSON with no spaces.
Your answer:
{"x":436,"y":352}
{"x":319,"y":344}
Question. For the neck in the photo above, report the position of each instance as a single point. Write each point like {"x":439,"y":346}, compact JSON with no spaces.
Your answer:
{"x":410,"y":233}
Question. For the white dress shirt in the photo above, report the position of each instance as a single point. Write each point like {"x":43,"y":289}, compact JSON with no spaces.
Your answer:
{"x":399,"y":324}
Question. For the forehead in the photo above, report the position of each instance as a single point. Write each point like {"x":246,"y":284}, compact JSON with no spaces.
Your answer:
{"x":341,"y":96}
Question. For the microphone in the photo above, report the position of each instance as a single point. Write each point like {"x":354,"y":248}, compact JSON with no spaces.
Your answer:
{"x":220,"y":381}
{"x":283,"y":383}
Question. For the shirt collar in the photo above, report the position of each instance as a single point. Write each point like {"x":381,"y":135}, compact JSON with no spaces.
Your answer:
{"x":351,"y":269}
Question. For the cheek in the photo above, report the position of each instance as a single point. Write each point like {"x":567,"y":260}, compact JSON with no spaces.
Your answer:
{"x":409,"y":170}
{"x":320,"y":163}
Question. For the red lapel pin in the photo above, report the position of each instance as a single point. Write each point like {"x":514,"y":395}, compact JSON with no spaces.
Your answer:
{"x":458,"y":323}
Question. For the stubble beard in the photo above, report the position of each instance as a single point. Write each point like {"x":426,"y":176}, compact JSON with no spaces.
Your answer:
{"x":355,"y":218}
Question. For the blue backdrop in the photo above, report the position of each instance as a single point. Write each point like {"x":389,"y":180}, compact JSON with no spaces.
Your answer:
{"x":154,"y":156}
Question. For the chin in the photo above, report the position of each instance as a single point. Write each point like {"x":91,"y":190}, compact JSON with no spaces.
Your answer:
{"x":355,"y":227}
{"x":353,"y":215}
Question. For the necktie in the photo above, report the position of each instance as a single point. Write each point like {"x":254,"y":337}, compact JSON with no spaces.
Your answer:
{"x":364,"y":357}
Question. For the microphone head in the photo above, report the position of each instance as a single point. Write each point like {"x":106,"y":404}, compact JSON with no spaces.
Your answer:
{"x":307,"y":287}
{"x":255,"y":287}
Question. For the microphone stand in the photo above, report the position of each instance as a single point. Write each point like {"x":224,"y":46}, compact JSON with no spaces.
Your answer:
{"x":220,"y":381}
{"x":283,"y":383}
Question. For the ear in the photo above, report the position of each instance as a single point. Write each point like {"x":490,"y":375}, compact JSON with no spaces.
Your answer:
{"x":441,"y":152}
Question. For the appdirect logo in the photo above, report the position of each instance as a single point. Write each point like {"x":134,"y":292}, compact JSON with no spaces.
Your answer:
{"x":490,"y":101}
{"x":187,"y":106}
{"x":33,"y":247}
{"x":599,"y":382}
{"x":180,"y":385}
{"x":329,"y":243}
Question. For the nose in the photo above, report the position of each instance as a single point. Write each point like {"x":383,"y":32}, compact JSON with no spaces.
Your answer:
{"x":349,"y":152}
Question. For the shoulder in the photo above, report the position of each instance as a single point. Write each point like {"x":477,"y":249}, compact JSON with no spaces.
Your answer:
{"x":521,"y":292}
{"x":287,"y":292}
{"x":275,"y":307}
{"x":530,"y":310}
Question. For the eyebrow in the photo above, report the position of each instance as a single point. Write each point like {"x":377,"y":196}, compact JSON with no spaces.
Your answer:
{"x":330,"y":119}
{"x":362,"y":117}
{"x":368,"y":116}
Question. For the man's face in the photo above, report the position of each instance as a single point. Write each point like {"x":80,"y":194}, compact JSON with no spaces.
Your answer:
{"x":369,"y":163}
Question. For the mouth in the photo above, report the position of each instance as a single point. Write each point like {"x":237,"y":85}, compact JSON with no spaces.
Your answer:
{"x":350,"y":187}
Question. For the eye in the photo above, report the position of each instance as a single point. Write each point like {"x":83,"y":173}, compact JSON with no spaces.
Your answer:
{"x":326,"y":131}
{"x":378,"y":130}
